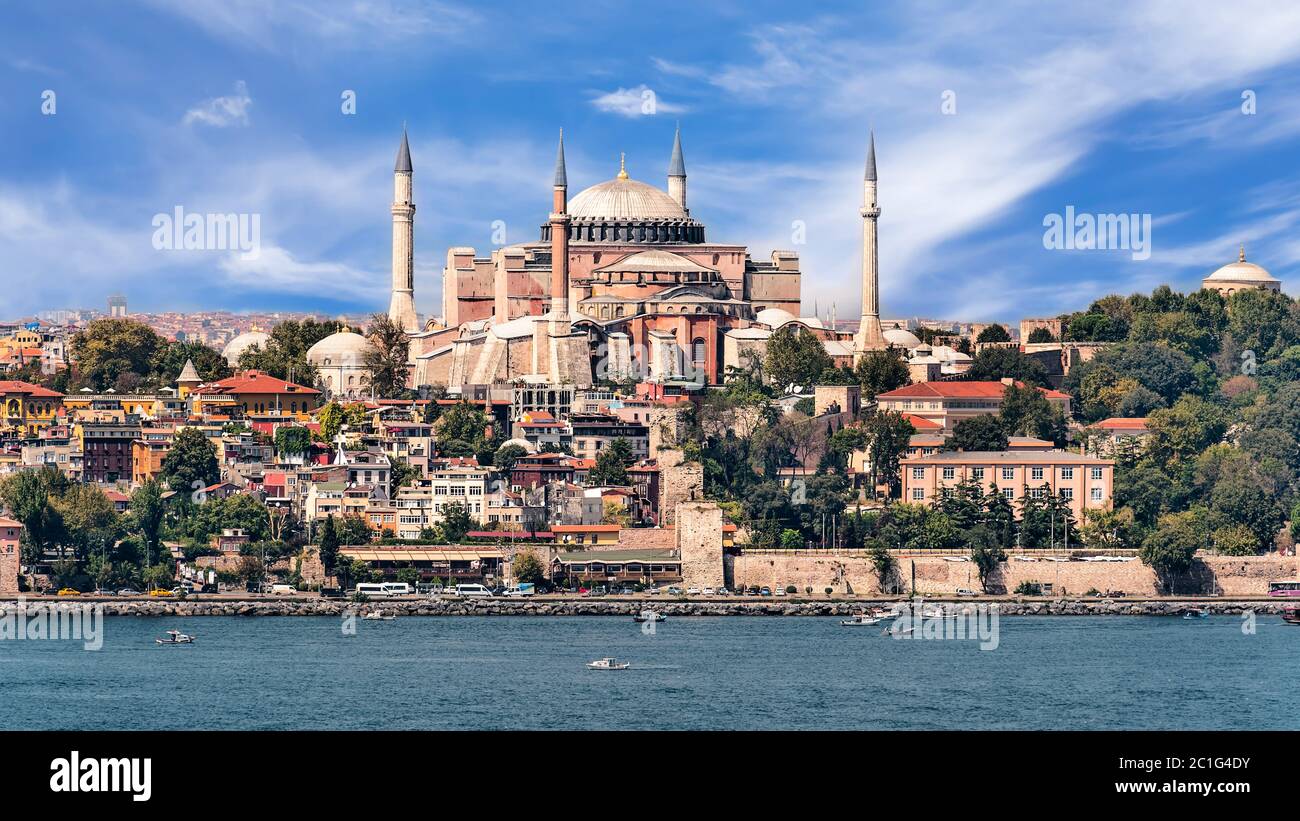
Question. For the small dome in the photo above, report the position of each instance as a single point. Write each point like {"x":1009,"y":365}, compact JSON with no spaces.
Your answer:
{"x":342,"y":349}
{"x":901,"y":338}
{"x":624,"y":199}
{"x":773,"y":317}
{"x":236,"y":347}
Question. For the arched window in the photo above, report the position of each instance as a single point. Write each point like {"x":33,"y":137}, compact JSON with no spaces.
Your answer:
{"x":698,"y":352}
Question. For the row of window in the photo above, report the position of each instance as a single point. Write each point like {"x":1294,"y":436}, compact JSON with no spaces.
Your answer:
{"x":1096,"y":494}
{"x":1036,"y":474}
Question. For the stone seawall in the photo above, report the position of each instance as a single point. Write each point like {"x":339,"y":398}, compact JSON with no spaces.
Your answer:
{"x":451,"y":607}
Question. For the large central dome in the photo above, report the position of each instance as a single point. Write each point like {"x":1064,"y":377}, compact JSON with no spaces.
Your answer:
{"x":624,"y":199}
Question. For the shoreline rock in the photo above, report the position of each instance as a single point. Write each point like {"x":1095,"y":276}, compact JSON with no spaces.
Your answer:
{"x":589,"y":607}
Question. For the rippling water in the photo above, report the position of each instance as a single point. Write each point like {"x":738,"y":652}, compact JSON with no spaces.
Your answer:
{"x":693,"y":673}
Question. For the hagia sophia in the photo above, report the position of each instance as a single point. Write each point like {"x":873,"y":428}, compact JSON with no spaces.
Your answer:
{"x":623,"y":282}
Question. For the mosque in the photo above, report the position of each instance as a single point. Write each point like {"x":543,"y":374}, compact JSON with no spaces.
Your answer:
{"x":623,"y":282}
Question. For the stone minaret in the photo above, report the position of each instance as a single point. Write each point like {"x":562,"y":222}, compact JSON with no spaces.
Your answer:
{"x":869,"y":336}
{"x":677,"y":172}
{"x":560,"y":239}
{"x":402,"y":308}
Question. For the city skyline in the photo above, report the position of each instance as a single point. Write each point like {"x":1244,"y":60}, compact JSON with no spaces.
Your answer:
{"x":774,"y":121}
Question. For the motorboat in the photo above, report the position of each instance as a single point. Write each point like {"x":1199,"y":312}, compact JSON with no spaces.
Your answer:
{"x":608,"y":663}
{"x":1291,"y":615}
{"x":861,"y":620}
{"x":648,"y":615}
{"x":176,"y":637}
{"x":1190,"y":615}
{"x":378,"y":615}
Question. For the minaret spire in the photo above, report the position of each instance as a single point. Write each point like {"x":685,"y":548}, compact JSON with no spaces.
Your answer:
{"x":561,"y":175}
{"x":559,"y":221}
{"x":677,"y":172}
{"x":401,"y":309}
{"x":870,"y":337}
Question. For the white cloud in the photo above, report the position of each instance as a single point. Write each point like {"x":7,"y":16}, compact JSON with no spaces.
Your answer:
{"x":222,"y":111}
{"x":638,"y":101}
{"x":1031,"y":104}
{"x":349,"y":25}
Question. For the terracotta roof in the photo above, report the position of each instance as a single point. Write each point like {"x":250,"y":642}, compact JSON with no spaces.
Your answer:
{"x":921,"y":423}
{"x":1124,"y":423}
{"x":17,"y":386}
{"x":4,"y":522}
{"x":255,"y":382}
{"x":959,"y":390}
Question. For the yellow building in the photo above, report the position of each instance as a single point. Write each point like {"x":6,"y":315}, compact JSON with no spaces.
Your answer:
{"x":27,"y":408}
{"x":588,"y":535}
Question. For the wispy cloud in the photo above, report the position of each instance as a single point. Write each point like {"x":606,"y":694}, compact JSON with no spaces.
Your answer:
{"x":638,"y":101}
{"x":349,"y":25}
{"x":229,"y":110}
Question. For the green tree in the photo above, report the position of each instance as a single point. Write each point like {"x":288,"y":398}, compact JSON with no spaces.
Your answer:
{"x":284,"y":356}
{"x":982,"y":432}
{"x":506,"y":456}
{"x":27,"y":495}
{"x":111,"y":348}
{"x":527,"y":568}
{"x":191,"y":463}
{"x":89,"y":518}
{"x":329,"y":544}
{"x":985,"y":552}
{"x":388,"y":357}
{"x":795,"y":356}
{"x":1026,"y":411}
{"x":880,"y":371}
{"x":170,"y":358}
{"x":612,"y":464}
{"x":887,"y":435}
{"x":993,"y":364}
{"x":1040,"y":335}
{"x":1172,"y":546}
{"x":147,"y":516}
{"x":456,"y":522}
{"x":993,"y":333}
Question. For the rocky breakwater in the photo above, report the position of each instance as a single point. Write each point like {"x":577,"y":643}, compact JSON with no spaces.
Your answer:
{"x":625,"y":607}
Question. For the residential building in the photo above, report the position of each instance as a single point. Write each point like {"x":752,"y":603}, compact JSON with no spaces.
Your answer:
{"x":948,"y":403}
{"x":1085,"y":482}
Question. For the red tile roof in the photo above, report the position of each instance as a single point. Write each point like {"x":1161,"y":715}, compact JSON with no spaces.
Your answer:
{"x":1124,"y":423}
{"x":959,"y":390}
{"x":921,"y":423}
{"x":9,"y":522}
{"x":255,"y":382}
{"x":17,"y":386}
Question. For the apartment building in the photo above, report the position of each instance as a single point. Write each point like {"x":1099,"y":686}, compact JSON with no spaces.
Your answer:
{"x":1086,"y":482}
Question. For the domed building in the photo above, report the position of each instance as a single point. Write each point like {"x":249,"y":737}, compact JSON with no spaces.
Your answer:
{"x":1240,"y":275}
{"x":236,"y":347}
{"x":622,"y":277}
{"x":340,"y":360}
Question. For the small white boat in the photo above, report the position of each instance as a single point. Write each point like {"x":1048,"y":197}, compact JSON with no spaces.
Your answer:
{"x":1191,"y":615}
{"x":378,"y":615}
{"x":609,"y":663}
{"x":176,"y":637}
{"x":861,"y":620}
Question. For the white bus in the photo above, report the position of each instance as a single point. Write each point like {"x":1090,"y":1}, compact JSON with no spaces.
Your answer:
{"x":383,"y":591}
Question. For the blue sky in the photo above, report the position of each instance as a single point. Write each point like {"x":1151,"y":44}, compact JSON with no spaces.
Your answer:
{"x":234,"y":106}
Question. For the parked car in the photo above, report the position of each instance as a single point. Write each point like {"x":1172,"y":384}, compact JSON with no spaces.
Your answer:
{"x":963,"y":591}
{"x":652,"y":591}
{"x":674,"y":590}
{"x":68,"y":591}
{"x":692,"y":591}
{"x":766,"y":591}
{"x":325,"y":592}
{"x":779,"y":591}
{"x":282,"y":590}
{"x":708,"y":591}
{"x":751,"y":591}
{"x":126,"y":591}
{"x":722,"y":591}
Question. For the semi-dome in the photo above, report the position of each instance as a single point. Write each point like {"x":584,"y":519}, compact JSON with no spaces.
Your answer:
{"x":342,"y":348}
{"x":236,"y":347}
{"x":624,"y":199}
